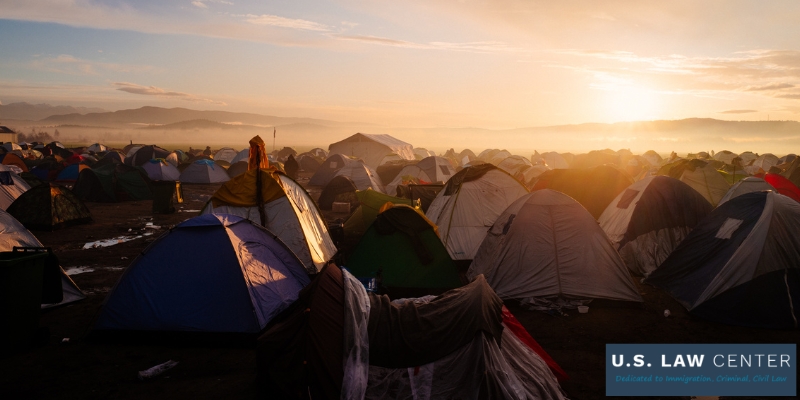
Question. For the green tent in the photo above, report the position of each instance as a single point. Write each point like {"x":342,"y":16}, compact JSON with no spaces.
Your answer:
{"x":112,"y":183}
{"x":371,"y":202}
{"x":402,"y":248}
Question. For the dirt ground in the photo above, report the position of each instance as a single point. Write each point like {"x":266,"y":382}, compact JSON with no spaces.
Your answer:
{"x":84,"y":369}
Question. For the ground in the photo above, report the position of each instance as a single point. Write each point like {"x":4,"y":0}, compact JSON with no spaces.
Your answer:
{"x":70,"y":366}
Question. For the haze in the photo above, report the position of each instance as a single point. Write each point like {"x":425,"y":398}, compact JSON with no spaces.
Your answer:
{"x":424,"y":70}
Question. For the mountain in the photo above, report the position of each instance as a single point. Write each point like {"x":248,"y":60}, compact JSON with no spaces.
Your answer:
{"x":35,"y":112}
{"x":197,"y":124}
{"x":165,"y":116}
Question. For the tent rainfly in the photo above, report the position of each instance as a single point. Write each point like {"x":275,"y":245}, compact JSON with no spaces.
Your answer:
{"x":372,"y":148}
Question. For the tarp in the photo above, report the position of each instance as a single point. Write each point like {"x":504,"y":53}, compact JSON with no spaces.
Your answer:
{"x":211,"y":273}
{"x":739,"y":265}
{"x":546,"y":245}
{"x":648,"y":219}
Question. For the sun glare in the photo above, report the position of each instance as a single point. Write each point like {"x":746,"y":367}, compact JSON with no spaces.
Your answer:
{"x":630,"y":103}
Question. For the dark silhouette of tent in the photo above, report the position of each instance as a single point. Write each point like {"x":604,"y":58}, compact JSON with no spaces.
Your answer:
{"x":145,"y":154}
{"x":49,"y":207}
{"x":594,"y":188}
{"x":341,"y":187}
{"x":112,"y":183}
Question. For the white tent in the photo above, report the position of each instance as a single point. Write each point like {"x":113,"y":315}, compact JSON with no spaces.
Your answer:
{"x":226,"y":154}
{"x":13,"y":234}
{"x":372,"y":148}
{"x":746,"y":185}
{"x":469,"y":204}
{"x":706,"y":180}
{"x":430,"y":169}
{"x":363,"y":176}
{"x":289,"y":213}
{"x":204,"y":171}
{"x":762,"y":164}
{"x":547,"y":246}
{"x":725,"y":156}
{"x":9,"y":193}
{"x":160,"y":170}
{"x":97,"y":148}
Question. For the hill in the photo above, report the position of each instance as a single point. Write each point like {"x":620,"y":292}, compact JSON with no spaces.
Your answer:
{"x":35,"y":112}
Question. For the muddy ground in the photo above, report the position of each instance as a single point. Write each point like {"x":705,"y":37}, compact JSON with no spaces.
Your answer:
{"x":85,"y":369}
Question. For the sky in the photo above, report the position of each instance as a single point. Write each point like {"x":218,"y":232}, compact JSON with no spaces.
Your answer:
{"x":498,"y":64}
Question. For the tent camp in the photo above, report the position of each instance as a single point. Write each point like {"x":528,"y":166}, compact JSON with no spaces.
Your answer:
{"x":546,"y":247}
{"x":746,"y":185}
{"x":287,"y":211}
{"x":402,"y":248}
{"x":211,"y":273}
{"x":372,"y":148}
{"x":648,"y":219}
{"x":594,"y":188}
{"x":11,"y":187}
{"x":204,"y":171}
{"x":428,"y":170}
{"x":49,"y":206}
{"x":112,"y":183}
{"x":460,"y":345}
{"x":160,"y":170}
{"x":469,"y":204}
{"x":13,"y":234}
{"x":739,"y":265}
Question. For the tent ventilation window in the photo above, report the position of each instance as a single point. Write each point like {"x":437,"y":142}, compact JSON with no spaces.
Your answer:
{"x":727,"y":228}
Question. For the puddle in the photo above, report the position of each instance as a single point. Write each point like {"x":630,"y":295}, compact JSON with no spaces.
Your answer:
{"x":78,"y":270}
{"x":150,"y":225}
{"x":113,"y":241}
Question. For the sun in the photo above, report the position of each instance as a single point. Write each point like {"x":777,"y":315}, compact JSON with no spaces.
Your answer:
{"x":630,"y":103}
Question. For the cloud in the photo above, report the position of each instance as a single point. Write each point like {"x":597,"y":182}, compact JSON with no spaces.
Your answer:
{"x":738,"y":111}
{"x":795,"y":96}
{"x":70,"y":65}
{"x":282,"y":22}
{"x":774,"y":86}
{"x":199,"y":4}
{"x":602,"y":15}
{"x":474,"y":47}
{"x":156,"y":91}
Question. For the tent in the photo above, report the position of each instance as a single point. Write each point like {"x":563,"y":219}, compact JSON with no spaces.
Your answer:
{"x":225,"y":154}
{"x":144,"y":154}
{"x":287,"y":211}
{"x":739,"y":265}
{"x":783,"y":186}
{"x":372,"y":148}
{"x":701,"y":177}
{"x":11,"y":187}
{"x":160,"y":170}
{"x":594,"y":188}
{"x":763,"y":163}
{"x":309,"y":163}
{"x":747,"y":156}
{"x":648,"y":219}
{"x":329,"y":168}
{"x":339,"y":189}
{"x":370,"y":204}
{"x":546,"y":246}
{"x":653,"y":158}
{"x":462,"y":344}
{"x":362,"y":176}
{"x":237,"y":168}
{"x":211,"y":273}
{"x":595,"y":158}
{"x":402,"y":249}
{"x":49,"y":206}
{"x":555,"y":160}
{"x":746,"y":185}
{"x":13,"y":234}
{"x":427,"y":170}
{"x":112,"y":157}
{"x":13,"y":159}
{"x":70,"y":172}
{"x":112,"y":183}
{"x":243,"y":155}
{"x":725,"y":156}
{"x":97,"y":148}
{"x":204,"y":171}
{"x":469,"y":204}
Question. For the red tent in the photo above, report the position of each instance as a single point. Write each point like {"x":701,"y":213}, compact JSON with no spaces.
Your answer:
{"x":782,"y":185}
